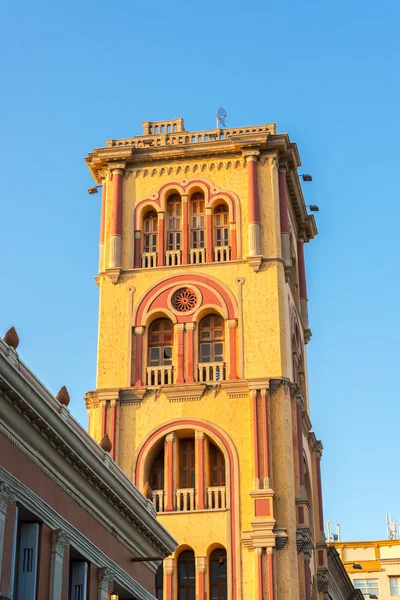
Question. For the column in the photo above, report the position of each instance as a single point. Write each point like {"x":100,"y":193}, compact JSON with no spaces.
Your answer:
{"x":161,"y":240}
{"x":114,"y":404}
{"x":102,"y":225}
{"x":209,"y":239}
{"x":180,"y":328}
{"x":307,"y":576}
{"x":139,"y":331}
{"x":169,"y":570}
{"x":299,"y":418}
{"x":6,"y":497}
{"x":105,"y":579}
{"x":190,"y":376}
{"x":169,"y":466}
{"x":318,"y":452}
{"x":302,"y":283}
{"x":185,"y":229}
{"x":60,"y":540}
{"x":259,"y":592}
{"x":265,"y":430}
{"x":115,"y":257}
{"x":254,"y":207}
{"x":232,"y":324}
{"x":256,"y":478}
{"x":233,"y":242}
{"x":200,"y":470}
{"x":270,"y":571}
{"x":137,"y":259}
{"x":284,"y":217}
{"x":201,"y":568}
{"x":103,"y":404}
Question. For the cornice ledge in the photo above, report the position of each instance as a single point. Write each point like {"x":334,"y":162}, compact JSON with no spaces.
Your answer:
{"x":262,"y":493}
{"x":274,"y":384}
{"x":246,"y":141}
{"x":132,"y":395}
{"x":261,"y":383}
{"x":322,"y":579}
{"x":182,"y":393}
{"x":304,"y":540}
{"x":236,"y":388}
{"x":281,"y":537}
{"x":307,"y":425}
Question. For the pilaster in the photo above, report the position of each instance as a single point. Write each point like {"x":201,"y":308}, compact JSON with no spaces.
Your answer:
{"x":60,"y":541}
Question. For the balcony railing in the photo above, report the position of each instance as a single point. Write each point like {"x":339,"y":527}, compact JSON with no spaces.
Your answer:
{"x":173,"y":258}
{"x":222,"y":253}
{"x":216,"y":497}
{"x":185,"y":499}
{"x":149,"y":260}
{"x":157,"y":376}
{"x":158,"y":500}
{"x":211,"y":372}
{"x":197,"y":256}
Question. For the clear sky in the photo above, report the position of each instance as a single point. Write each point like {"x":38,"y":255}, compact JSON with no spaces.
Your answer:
{"x":77,"y":73}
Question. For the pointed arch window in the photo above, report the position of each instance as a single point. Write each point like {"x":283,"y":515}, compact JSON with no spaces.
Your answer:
{"x":218,"y":575}
{"x":157,"y":472}
{"x":217,"y":466}
{"x":221,"y":225}
{"x":211,"y":339}
{"x":150,"y":231}
{"x":186,"y":576}
{"x":160,"y":343}
{"x":198,"y":234}
{"x":174,"y":234}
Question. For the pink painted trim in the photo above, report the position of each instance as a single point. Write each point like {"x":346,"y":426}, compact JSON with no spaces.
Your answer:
{"x":270,"y":567}
{"x":254,"y":208}
{"x":168,"y":586}
{"x":209,"y":240}
{"x":185,"y":233}
{"x":232,"y":354}
{"x":232,"y":235}
{"x":165,"y":429}
{"x":302,"y":270}
{"x":138,"y":360}
{"x":179,"y":378}
{"x":103,"y":421}
{"x":190,"y":357}
{"x":202,"y":587}
{"x":255,"y":435}
{"x":161,"y":245}
{"x":103,"y":213}
{"x":113,"y":421}
{"x":116,"y":215}
{"x":300,"y":444}
{"x":200,"y":475}
{"x":169,"y":453}
{"x":259,"y":577}
{"x":319,"y":488}
{"x":137,"y":253}
{"x":283,"y":203}
{"x":264,"y":416}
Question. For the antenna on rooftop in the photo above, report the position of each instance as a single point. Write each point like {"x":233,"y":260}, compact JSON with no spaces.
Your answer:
{"x":391,"y":527}
{"x":221,"y":116}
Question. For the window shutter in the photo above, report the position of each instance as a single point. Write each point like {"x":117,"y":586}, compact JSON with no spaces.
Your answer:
{"x":79,"y":571}
{"x":27,"y":561}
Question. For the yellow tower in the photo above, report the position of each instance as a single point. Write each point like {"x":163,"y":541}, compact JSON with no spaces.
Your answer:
{"x":201,"y":375}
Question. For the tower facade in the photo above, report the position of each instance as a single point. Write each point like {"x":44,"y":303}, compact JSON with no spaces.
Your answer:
{"x":202,"y":373}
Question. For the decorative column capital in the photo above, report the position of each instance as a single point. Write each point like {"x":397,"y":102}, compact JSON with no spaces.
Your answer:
{"x":251,"y":155}
{"x":169,"y":566}
{"x":138,"y":235}
{"x":59,"y":541}
{"x":117,"y":168}
{"x":208,"y":210}
{"x":201,"y":564}
{"x":259,"y":551}
{"x":269,"y":550}
{"x":105,"y":577}
{"x":185,"y":198}
{"x":180,"y":327}
{"x":170,"y":437}
{"x":161,"y":215}
{"x":232,"y":323}
{"x":190,"y":326}
{"x":139,"y":330}
{"x":7,"y":496}
{"x":199,"y":435}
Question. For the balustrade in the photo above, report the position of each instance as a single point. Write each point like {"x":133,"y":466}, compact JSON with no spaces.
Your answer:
{"x":173,"y":258}
{"x":149,"y":260}
{"x":197,"y":256}
{"x":158,"y":500}
{"x":216,"y":497}
{"x":222,"y":253}
{"x":185,"y":499}
{"x":211,"y":372}
{"x":157,"y":376}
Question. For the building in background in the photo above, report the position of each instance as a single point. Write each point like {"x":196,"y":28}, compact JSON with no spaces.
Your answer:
{"x":373,"y":567}
{"x":202,"y":372}
{"x":72,"y":525}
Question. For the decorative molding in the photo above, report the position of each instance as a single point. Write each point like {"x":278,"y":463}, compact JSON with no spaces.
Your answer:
{"x":255,"y":262}
{"x":113,"y":275}
{"x":7,"y":496}
{"x":304,"y":541}
{"x":105,"y":577}
{"x":59,"y":541}
{"x":198,"y":167}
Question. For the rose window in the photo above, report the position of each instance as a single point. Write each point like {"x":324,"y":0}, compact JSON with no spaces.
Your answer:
{"x":184,"y":300}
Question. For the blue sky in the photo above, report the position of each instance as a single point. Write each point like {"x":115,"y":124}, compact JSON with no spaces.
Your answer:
{"x":78,"y":73}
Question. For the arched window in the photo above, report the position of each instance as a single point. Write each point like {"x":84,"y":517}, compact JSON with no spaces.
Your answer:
{"x":218,"y":575}
{"x":221,"y":225}
{"x":157,"y":472}
{"x":187,"y":462}
{"x":160,"y":343}
{"x":186,"y":576}
{"x":211,"y":339}
{"x":159,"y":582}
{"x":197,"y":221}
{"x":174,"y":222}
{"x":217,"y":466}
{"x":150,"y":231}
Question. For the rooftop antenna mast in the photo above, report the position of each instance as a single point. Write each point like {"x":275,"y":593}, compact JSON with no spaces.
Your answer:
{"x":391,"y":527}
{"x":221,"y":116}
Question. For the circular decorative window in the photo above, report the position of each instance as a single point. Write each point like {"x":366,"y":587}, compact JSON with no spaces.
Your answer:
{"x":184,"y":300}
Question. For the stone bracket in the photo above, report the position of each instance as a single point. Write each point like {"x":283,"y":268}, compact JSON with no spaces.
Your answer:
{"x":113,"y":275}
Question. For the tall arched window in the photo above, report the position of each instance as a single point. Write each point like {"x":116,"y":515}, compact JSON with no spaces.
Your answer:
{"x":218,"y":575}
{"x":197,"y":221}
{"x":157,"y":472}
{"x":174,"y":222}
{"x":186,"y":576}
{"x":221,"y":225}
{"x":211,"y":339}
{"x":160,"y":582}
{"x":160,"y":343}
{"x":217,"y":466}
{"x":150,"y":231}
{"x":187,"y":462}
